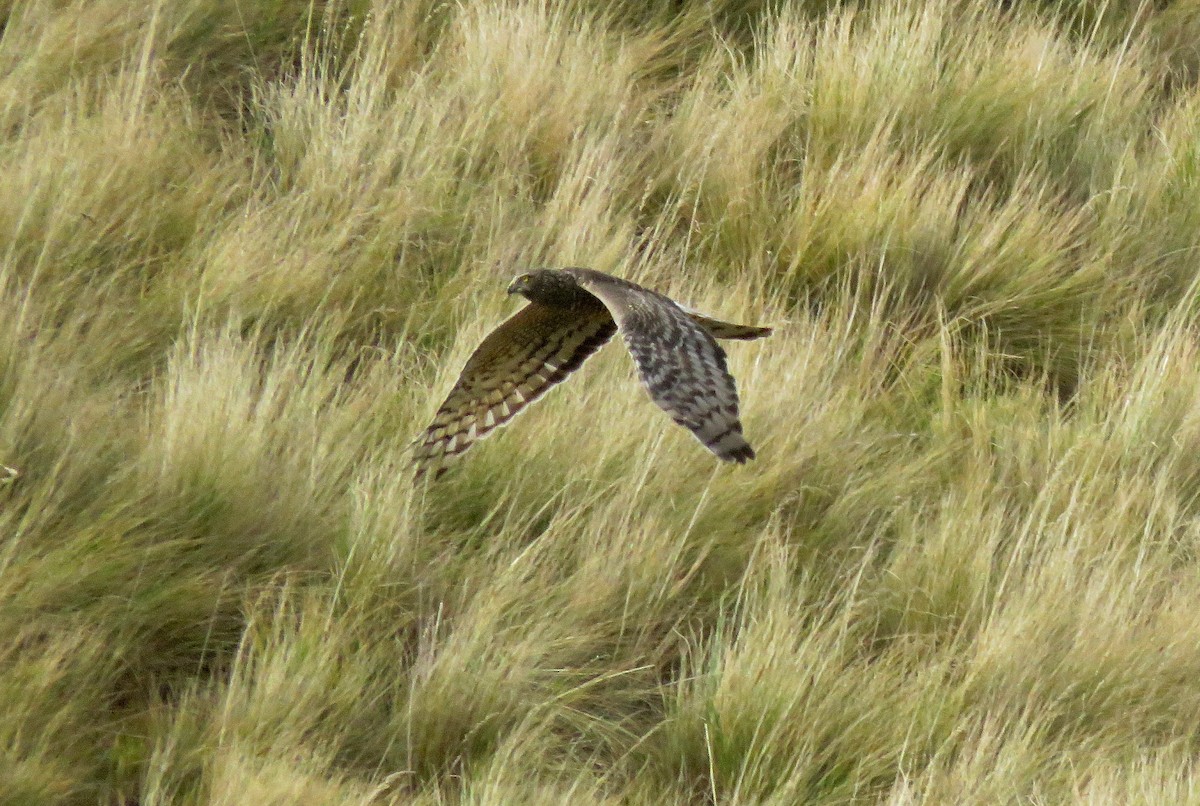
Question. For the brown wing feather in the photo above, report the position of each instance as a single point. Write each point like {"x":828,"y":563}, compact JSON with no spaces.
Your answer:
{"x":516,"y":364}
{"x":680,"y":363}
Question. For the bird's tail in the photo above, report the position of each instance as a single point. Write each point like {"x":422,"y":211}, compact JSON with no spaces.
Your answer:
{"x":728,"y":330}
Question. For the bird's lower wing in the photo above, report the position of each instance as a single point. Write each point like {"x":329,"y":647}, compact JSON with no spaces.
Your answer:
{"x":516,"y":364}
{"x":681,"y":365}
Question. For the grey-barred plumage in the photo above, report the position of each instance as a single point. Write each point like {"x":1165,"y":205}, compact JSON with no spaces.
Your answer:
{"x":572,"y":313}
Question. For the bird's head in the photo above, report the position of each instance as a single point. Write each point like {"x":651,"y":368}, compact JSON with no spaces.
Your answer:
{"x":521,"y":284}
{"x":548,"y":287}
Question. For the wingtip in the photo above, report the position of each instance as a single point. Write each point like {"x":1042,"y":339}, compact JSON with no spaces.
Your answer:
{"x":428,"y":464}
{"x":428,"y":473}
{"x":742,"y":455}
{"x":739,"y":453}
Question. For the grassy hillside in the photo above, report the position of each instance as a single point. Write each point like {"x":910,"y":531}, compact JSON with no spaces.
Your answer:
{"x":245,"y":249}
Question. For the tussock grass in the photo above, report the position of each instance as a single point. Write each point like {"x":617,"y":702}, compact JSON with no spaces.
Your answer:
{"x":243,"y":256}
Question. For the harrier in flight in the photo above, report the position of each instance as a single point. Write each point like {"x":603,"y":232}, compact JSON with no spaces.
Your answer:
{"x":571,"y":314}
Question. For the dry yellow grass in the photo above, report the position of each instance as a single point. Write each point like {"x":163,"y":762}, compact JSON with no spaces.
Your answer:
{"x":243,"y":255}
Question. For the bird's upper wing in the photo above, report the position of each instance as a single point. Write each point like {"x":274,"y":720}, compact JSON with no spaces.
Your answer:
{"x":679,"y":362}
{"x":518,"y":361}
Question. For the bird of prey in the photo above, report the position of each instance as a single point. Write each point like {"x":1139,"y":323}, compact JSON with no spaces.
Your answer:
{"x":571,"y":314}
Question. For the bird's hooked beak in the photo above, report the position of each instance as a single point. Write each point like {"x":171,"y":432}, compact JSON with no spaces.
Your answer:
{"x":519,"y":284}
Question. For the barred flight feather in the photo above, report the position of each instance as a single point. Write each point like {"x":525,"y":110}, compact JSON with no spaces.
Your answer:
{"x":514,"y":366}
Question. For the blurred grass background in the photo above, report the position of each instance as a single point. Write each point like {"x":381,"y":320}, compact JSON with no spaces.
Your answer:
{"x":245,"y":249}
